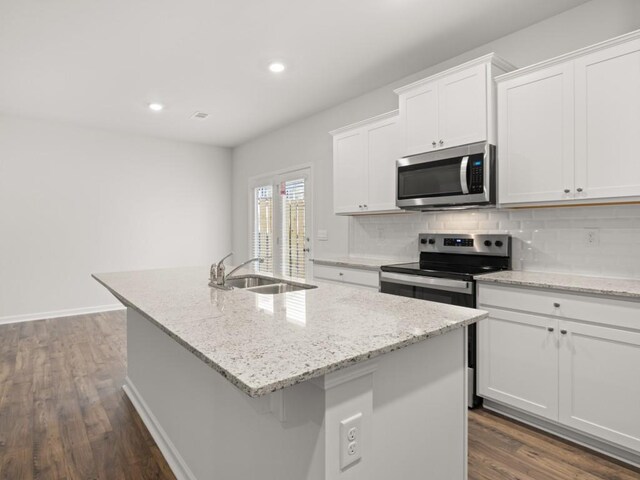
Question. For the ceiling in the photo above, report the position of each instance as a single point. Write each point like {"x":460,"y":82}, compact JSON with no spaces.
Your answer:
{"x":100,"y":63}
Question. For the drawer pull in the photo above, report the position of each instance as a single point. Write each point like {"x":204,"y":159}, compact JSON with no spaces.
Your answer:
{"x":564,"y":332}
{"x":341,"y":274}
{"x":550,"y":329}
{"x":556,"y":304}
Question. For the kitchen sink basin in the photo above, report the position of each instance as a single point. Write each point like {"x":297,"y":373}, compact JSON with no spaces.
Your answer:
{"x":250,"y":281}
{"x":265,"y":285}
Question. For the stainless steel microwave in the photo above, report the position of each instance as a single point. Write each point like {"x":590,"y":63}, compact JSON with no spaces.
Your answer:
{"x":458,"y":177}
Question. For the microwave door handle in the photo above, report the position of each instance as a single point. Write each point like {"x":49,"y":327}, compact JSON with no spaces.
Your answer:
{"x":463,"y":175}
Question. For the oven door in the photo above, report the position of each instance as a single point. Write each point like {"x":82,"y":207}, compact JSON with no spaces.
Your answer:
{"x":441,"y":290}
{"x":456,"y":176}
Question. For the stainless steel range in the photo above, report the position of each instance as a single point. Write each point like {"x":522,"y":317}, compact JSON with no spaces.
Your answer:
{"x":445,"y":273}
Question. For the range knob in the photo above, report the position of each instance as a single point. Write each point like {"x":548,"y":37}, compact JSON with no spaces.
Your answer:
{"x":487,"y":243}
{"x":432,"y":241}
{"x":423,"y":240}
{"x":499,"y":243}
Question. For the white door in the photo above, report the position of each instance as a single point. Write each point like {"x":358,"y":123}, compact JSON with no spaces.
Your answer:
{"x":383,"y":149}
{"x":518,"y":361}
{"x":419,"y":119}
{"x":535,"y":136}
{"x":462,"y":107}
{"x":281,"y":223}
{"x":349,"y":172}
{"x":600,"y":382}
{"x":608,"y":122}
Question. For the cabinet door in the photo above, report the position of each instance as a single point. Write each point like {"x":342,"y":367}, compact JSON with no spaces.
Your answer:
{"x":349,"y":172}
{"x":518,"y":361}
{"x":462,"y":107}
{"x":608,"y":122}
{"x":535,"y":136}
{"x":419,"y":119}
{"x":600,"y":382}
{"x":383,"y":149}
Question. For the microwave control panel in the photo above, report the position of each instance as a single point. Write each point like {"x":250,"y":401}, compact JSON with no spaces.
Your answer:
{"x":476,"y":169}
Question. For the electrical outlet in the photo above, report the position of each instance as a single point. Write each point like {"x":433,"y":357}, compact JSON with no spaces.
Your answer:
{"x":592,"y":237}
{"x":350,"y":440}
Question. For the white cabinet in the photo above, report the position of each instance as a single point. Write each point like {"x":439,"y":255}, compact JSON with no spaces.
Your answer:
{"x":567,"y":128}
{"x":568,"y":358}
{"x":535,"y":136}
{"x":600,"y":382}
{"x":351,"y":275}
{"x":452,"y":108}
{"x":364,"y":159}
{"x":519,"y":361}
{"x":607,"y":86}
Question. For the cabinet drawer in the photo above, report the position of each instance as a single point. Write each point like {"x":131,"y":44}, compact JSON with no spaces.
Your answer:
{"x":603,"y":310}
{"x":356,"y":276}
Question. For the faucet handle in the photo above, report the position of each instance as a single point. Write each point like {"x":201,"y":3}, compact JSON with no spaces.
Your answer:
{"x":220,"y":263}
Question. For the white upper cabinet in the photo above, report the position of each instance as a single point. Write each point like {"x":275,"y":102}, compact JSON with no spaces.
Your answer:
{"x":607,"y":85}
{"x":535,"y":136}
{"x":452,"y":108}
{"x":364,"y":159}
{"x":568,"y":127}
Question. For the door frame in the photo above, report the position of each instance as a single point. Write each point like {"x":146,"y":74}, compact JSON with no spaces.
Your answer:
{"x":274,"y":178}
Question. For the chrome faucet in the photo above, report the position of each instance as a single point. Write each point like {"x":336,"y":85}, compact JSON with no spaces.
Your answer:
{"x":217,"y":276}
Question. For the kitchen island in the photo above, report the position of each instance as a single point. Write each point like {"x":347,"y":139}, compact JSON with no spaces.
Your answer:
{"x":240,"y":385}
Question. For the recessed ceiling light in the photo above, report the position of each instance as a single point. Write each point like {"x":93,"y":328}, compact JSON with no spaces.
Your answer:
{"x":156,"y":107}
{"x":276,"y":67}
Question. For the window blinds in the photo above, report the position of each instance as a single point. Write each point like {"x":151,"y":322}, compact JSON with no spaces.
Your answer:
{"x":293,"y":228}
{"x":263,"y":228}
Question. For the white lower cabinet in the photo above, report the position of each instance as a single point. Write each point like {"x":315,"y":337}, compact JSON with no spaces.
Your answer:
{"x":600,"y":382}
{"x":582,"y":373}
{"x":519,"y":361}
{"x":351,"y":275}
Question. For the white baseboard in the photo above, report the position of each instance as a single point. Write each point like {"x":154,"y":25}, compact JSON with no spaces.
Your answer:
{"x":60,"y":313}
{"x":168,"y":449}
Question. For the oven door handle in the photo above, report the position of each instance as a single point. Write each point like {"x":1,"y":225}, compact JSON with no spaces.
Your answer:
{"x":463,"y":175}
{"x":427,"y":282}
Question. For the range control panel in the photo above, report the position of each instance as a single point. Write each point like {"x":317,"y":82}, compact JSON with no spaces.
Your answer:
{"x":472,"y":244}
{"x":458,"y":242}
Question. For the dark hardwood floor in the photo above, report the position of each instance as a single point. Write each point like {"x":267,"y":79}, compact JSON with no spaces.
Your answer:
{"x":63,"y":415}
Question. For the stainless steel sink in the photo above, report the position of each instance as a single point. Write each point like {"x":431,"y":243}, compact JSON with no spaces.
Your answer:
{"x":265,"y":285}
{"x":250,"y":281}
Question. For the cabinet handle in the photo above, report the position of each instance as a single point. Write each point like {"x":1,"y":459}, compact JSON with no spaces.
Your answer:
{"x":566,"y":190}
{"x":441,"y":142}
{"x":433,"y":143}
{"x":556,"y":304}
{"x":564,"y":332}
{"x":550,"y":329}
{"x":341,"y":274}
{"x":579,"y":189}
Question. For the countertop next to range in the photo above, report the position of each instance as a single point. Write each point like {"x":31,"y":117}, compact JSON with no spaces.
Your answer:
{"x":363,"y":263}
{"x":263,"y":343}
{"x":618,"y":287}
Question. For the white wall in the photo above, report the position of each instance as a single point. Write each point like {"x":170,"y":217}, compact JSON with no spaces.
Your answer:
{"x":308,"y":141}
{"x":77,"y":200}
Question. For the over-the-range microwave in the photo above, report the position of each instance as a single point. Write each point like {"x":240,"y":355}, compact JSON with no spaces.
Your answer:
{"x":458,"y":177}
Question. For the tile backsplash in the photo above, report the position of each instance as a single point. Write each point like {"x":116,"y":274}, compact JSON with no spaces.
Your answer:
{"x":598,"y":240}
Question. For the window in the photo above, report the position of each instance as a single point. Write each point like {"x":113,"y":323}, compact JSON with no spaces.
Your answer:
{"x":263,"y":227}
{"x":280,"y":223}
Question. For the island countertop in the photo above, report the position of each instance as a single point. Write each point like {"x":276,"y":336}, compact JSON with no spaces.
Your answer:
{"x":263,"y":343}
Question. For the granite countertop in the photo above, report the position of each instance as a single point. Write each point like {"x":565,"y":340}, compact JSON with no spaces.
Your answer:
{"x":263,"y":343}
{"x":363,"y":263}
{"x":619,"y":287}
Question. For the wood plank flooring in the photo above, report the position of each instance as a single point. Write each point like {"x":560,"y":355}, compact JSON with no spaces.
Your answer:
{"x":64,"y":416}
